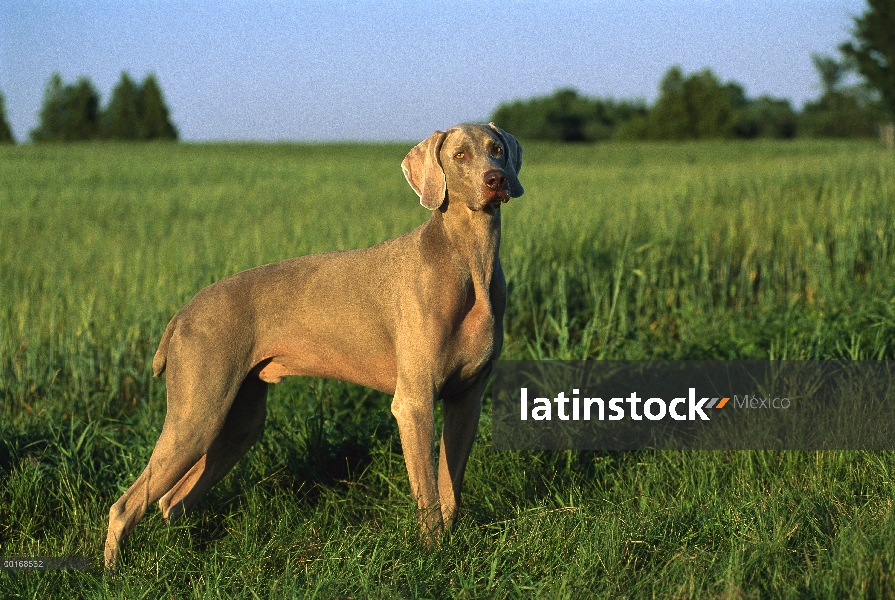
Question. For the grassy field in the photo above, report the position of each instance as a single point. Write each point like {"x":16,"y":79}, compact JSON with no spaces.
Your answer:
{"x":681,"y":251}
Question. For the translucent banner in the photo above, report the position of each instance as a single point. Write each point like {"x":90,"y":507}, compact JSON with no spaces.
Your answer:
{"x":695,"y":405}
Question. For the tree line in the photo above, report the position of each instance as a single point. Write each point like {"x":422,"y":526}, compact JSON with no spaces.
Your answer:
{"x":72,"y":112}
{"x":697,"y":106}
{"x":700,"y":106}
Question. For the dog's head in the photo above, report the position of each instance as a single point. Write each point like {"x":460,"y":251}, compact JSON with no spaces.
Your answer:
{"x":476,"y":163}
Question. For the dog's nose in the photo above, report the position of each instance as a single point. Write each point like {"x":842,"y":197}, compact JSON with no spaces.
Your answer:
{"x":495,"y":179}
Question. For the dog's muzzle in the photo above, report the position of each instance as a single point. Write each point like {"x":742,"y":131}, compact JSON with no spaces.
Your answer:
{"x":495,"y":182}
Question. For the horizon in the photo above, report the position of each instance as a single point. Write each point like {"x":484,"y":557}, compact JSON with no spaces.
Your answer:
{"x":378,"y":73}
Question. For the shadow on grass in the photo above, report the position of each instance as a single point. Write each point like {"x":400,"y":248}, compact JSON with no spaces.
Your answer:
{"x":309,"y":459}
{"x":319,"y":452}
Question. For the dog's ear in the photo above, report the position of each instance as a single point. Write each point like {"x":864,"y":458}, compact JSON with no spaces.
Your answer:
{"x":514,"y":160}
{"x":422,"y":169}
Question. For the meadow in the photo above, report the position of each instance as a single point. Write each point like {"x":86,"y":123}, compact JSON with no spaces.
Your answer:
{"x":721,"y":250}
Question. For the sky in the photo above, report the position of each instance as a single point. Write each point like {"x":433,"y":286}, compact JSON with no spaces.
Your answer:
{"x":388,"y":70}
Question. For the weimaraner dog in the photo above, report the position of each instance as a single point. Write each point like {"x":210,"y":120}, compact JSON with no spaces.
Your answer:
{"x":419,"y":316}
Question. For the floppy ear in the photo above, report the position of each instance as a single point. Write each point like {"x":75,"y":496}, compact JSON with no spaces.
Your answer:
{"x":514,"y":160}
{"x":422,"y":169}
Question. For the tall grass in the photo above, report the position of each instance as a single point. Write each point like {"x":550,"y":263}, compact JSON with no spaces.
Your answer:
{"x":704,"y":251}
{"x":713,"y":250}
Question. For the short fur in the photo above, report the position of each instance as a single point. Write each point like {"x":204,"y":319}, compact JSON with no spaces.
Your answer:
{"x":419,"y":316}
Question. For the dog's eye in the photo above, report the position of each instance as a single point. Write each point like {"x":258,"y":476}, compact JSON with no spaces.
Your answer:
{"x":498,"y":150}
{"x":460,"y":155}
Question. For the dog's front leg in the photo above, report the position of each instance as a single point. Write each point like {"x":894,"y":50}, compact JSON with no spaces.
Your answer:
{"x":414,"y":413}
{"x":461,"y":422}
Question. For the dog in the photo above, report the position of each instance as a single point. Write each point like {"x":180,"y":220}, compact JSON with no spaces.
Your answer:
{"x":419,"y":317}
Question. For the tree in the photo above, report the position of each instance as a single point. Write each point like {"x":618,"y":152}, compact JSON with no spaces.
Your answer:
{"x":121,"y":119}
{"x":134,"y":112}
{"x":154,"y":121}
{"x":694,"y":107}
{"x":766,"y":117}
{"x":873,"y":50}
{"x":558,"y":117}
{"x":6,"y":136}
{"x":841,"y":111}
{"x":69,"y":112}
{"x":711,"y":105}
{"x":830,"y":71}
{"x":137,"y":112}
{"x":52,"y":111}
{"x":566,"y":116}
{"x":669,"y":118}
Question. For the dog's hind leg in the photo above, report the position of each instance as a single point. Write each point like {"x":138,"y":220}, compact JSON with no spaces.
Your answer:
{"x":244,"y":424}
{"x":200,"y":392}
{"x":172,"y":457}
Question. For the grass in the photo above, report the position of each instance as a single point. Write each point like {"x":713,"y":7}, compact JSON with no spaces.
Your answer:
{"x":712,"y":250}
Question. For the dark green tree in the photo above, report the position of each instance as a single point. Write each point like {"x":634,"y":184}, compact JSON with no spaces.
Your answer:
{"x":873,"y":50}
{"x":564,"y":115}
{"x":766,"y":117}
{"x":567,"y":116}
{"x":669,"y":117}
{"x":841,"y":111}
{"x":155,"y":123}
{"x":712,"y":106}
{"x":830,"y":71}
{"x":698,"y":106}
{"x":52,"y":112}
{"x":694,"y":107}
{"x":121,"y":119}
{"x":6,"y":136}
{"x":69,"y":112}
{"x":558,"y":117}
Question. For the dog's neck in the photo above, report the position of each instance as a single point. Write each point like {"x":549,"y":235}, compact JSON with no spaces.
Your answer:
{"x":475,"y":238}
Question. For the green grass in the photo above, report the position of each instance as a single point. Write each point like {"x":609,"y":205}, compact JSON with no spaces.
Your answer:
{"x":713,"y":250}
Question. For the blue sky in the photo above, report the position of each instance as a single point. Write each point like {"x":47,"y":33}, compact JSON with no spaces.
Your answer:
{"x":389,"y":70}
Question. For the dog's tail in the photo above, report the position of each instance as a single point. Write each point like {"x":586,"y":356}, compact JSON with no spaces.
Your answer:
{"x":161,"y":355}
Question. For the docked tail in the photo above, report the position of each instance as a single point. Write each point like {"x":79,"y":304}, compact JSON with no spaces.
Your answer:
{"x":161,"y":355}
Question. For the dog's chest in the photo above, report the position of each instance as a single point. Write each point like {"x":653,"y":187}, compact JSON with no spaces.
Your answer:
{"x":478,"y":336}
